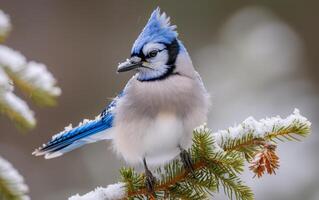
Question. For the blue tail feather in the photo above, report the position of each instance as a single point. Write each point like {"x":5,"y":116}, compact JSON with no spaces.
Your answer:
{"x":85,"y":133}
{"x":76,"y":137}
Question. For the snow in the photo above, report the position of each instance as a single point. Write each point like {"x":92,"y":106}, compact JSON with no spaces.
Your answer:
{"x":18,"y":105}
{"x":123,"y":64}
{"x":111,"y":192}
{"x":7,"y":97}
{"x":35,"y":74}
{"x":250,"y":125}
{"x":32,"y":72}
{"x":11,"y":59}
{"x":202,"y":128}
{"x":66,"y":129}
{"x":261,"y":127}
{"x":38,"y":75}
{"x":70,"y":127}
{"x":5,"y":25}
{"x":10,"y":175}
{"x":5,"y":82}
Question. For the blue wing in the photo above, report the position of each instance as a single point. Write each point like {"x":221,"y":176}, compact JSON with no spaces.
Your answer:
{"x":87,"y":132}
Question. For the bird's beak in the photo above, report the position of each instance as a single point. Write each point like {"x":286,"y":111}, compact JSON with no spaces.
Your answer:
{"x":130,"y":64}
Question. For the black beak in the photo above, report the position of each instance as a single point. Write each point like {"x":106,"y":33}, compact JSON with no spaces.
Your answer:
{"x":128,"y":65}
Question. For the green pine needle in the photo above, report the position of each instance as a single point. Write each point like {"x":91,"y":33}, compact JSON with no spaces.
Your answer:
{"x":20,"y":121}
{"x":218,"y":161}
{"x":217,"y":166}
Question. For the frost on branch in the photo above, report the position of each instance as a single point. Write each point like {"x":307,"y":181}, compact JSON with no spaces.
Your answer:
{"x":12,"y":185}
{"x":113,"y":191}
{"x":262,"y":128}
{"x":31,"y":77}
{"x":252,"y":134}
{"x":5,"y":25}
{"x":218,"y":161}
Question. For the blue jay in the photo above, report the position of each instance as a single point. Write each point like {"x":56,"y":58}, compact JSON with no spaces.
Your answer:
{"x":151,"y":121}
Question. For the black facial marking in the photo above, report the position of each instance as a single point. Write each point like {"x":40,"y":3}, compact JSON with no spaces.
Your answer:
{"x":154,"y":53}
{"x":173,"y":50}
{"x":140,"y":55}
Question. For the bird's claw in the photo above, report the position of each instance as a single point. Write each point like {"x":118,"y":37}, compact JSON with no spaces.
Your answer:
{"x":187,"y":160}
{"x":150,"y":182}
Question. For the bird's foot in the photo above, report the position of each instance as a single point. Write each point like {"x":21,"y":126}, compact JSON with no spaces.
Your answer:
{"x":150,"y":182}
{"x":187,"y":160}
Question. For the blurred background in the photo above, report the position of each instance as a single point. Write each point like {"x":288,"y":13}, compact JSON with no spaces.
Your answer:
{"x":256,"y":58}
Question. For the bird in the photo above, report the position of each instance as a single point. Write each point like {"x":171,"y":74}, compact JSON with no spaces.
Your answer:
{"x":151,"y":121}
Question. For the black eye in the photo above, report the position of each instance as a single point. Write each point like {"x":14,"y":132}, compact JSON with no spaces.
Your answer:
{"x":153,"y":53}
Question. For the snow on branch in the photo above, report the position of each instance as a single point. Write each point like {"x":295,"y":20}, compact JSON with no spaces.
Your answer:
{"x":113,"y":191}
{"x":12,"y":184}
{"x":218,"y":160}
{"x":5,"y":25}
{"x":31,"y":77}
{"x":17,"y":109}
{"x":269,"y":129}
{"x":11,"y":59}
{"x":263,"y":127}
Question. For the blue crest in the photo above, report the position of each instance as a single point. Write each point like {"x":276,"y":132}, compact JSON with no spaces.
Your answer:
{"x":157,"y":29}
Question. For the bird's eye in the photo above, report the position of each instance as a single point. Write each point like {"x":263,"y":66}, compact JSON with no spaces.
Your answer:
{"x":153,"y":53}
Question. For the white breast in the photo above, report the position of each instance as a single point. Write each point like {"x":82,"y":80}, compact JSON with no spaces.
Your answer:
{"x":157,"y":140}
{"x":152,"y":119}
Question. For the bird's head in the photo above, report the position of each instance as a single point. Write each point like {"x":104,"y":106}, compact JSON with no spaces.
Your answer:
{"x":155,"y":51}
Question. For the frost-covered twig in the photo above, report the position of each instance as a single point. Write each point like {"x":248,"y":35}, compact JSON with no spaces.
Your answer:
{"x":262,"y":128}
{"x":218,"y":159}
{"x":12,"y":186}
{"x":39,"y":84}
{"x":17,"y":109}
{"x":252,"y":133}
{"x":12,"y":105}
{"x":5,"y":25}
{"x":31,"y":77}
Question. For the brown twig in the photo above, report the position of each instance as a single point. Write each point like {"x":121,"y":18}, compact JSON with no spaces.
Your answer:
{"x":201,"y":164}
{"x":256,"y":141}
{"x":164,"y":186}
{"x":259,"y":141}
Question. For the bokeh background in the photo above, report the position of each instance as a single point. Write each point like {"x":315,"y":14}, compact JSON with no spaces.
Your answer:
{"x":256,"y":58}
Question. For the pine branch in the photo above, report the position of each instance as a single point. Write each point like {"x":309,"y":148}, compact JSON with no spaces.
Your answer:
{"x":21,"y":115}
{"x":35,"y":84}
{"x":218,"y":160}
{"x":211,"y":170}
{"x":251,"y":136}
{"x":5,"y":26}
{"x":12,"y":186}
{"x":32,"y":78}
